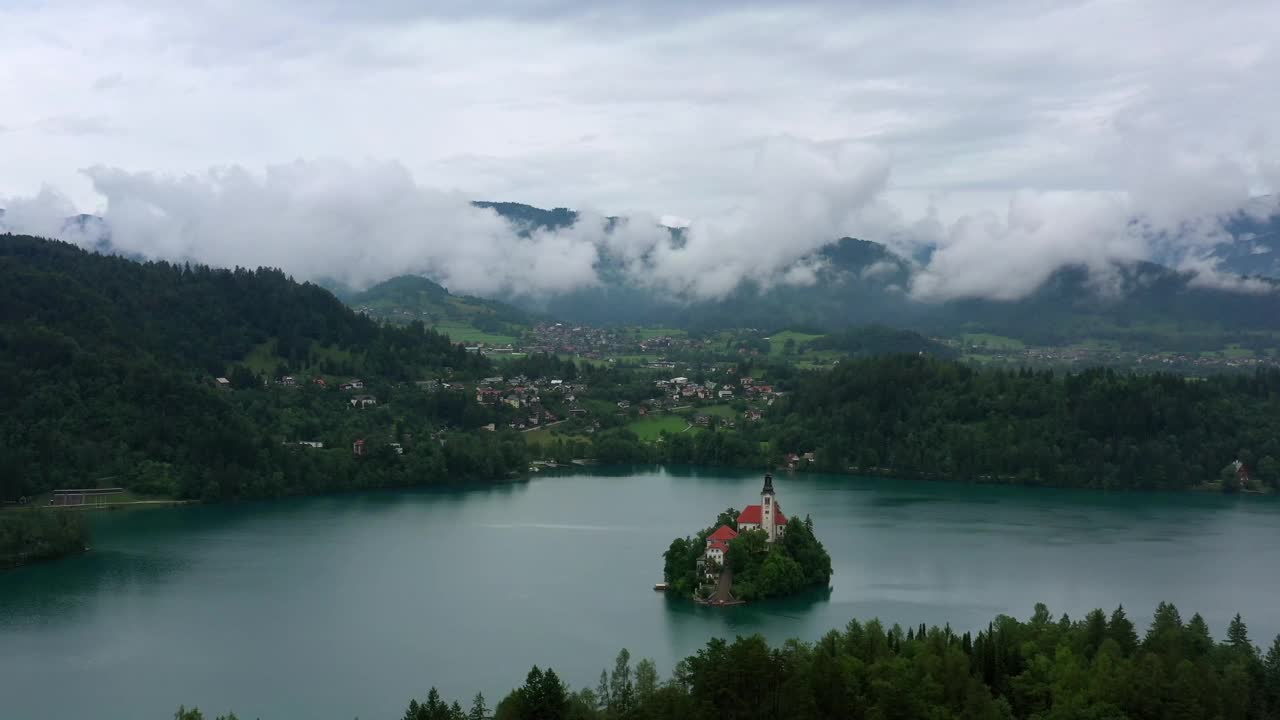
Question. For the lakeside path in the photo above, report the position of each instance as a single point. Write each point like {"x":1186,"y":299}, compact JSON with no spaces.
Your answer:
{"x":103,"y":506}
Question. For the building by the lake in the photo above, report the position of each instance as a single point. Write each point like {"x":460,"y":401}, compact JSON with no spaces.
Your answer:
{"x":766,"y":516}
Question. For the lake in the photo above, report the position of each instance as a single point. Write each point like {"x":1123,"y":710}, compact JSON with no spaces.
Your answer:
{"x":347,"y":606}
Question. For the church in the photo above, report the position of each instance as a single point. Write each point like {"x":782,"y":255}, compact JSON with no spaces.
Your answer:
{"x":766,"y":516}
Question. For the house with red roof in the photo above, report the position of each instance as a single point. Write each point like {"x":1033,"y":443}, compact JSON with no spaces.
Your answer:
{"x":766,"y":516}
{"x":718,"y":543}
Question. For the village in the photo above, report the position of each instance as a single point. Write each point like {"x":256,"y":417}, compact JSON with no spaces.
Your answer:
{"x":544,"y":408}
{"x":594,"y":343}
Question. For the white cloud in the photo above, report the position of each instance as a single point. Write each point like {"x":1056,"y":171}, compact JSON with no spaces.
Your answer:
{"x":1021,"y":136}
{"x":359,"y":223}
{"x":362,"y":223}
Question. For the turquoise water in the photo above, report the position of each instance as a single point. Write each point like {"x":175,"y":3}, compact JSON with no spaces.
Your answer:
{"x":347,"y":606}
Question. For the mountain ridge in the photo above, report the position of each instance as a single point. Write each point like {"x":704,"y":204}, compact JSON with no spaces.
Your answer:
{"x":858,"y":281}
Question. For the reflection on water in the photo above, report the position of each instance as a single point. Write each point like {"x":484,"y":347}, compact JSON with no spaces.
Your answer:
{"x":347,"y":605}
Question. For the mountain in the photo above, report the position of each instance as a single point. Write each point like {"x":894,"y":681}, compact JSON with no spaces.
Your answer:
{"x":859,"y":281}
{"x":411,"y":297}
{"x":1255,"y":245}
{"x":1144,"y":305}
{"x":529,"y":218}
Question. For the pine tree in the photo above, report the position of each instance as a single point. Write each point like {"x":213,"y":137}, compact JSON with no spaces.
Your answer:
{"x":1121,"y":629}
{"x":1238,"y":636}
{"x":478,"y":709}
{"x":1095,"y":629}
{"x":1199,"y":643}
{"x":602,"y":691}
{"x":620,"y":687}
{"x":646,"y":680}
{"x":1271,"y":678}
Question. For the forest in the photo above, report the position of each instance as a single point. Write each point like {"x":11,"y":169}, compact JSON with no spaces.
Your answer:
{"x":918,"y":416}
{"x":1044,"y":668}
{"x":107,"y":366}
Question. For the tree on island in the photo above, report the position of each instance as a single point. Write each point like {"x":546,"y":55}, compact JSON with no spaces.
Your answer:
{"x":796,"y":562}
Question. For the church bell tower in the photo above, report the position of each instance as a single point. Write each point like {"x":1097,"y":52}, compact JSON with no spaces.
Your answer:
{"x":768,"y":506}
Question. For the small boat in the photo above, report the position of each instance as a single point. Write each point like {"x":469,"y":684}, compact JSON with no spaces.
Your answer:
{"x":661,"y":587}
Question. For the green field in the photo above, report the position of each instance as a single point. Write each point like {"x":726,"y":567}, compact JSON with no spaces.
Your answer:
{"x":778,"y":341}
{"x":1235,"y":351}
{"x":650,"y":428}
{"x":723,"y":411}
{"x":636,"y":359}
{"x":994,"y":342}
{"x":816,"y":363}
{"x":464,"y":333}
{"x":546,"y":436}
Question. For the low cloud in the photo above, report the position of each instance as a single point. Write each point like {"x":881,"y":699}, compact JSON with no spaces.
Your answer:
{"x":363,"y":223}
{"x":356,"y":223}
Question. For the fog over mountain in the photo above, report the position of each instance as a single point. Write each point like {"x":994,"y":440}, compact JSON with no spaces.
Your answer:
{"x":364,"y":223}
{"x":989,"y":147}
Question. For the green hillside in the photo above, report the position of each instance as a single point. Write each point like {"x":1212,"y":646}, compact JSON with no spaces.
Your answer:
{"x":408,"y":298}
{"x":108,"y":367}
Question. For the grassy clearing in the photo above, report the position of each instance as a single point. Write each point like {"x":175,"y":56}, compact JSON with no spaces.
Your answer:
{"x":650,"y":428}
{"x":464,"y":333}
{"x":723,"y":411}
{"x":636,"y":359}
{"x":778,"y":341}
{"x":264,"y":360}
{"x":814,"y":364}
{"x":547,"y":436}
{"x":1235,"y":351}
{"x":994,"y":342}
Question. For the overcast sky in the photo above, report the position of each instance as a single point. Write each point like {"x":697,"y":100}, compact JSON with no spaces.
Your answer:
{"x":1026,"y":131}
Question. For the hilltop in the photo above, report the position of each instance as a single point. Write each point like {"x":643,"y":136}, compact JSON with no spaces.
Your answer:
{"x":464,"y":318}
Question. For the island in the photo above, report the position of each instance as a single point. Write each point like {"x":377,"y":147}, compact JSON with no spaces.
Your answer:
{"x":754,"y":554}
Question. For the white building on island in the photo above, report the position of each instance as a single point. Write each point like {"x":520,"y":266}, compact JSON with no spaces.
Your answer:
{"x":766,"y":516}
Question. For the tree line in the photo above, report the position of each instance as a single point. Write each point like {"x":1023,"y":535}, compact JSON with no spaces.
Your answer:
{"x":1044,"y":668}
{"x":911,"y":415}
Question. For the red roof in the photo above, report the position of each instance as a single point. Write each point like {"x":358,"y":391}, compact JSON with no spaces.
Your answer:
{"x":724,"y":532}
{"x":718,"y":545}
{"x":752,"y":515}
